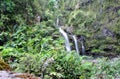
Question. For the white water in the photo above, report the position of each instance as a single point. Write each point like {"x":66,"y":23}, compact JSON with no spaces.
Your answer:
{"x":67,"y":43}
{"x":83,"y":48}
{"x":76,"y":43}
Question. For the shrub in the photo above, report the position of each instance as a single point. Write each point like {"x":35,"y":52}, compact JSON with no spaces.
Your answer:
{"x":4,"y":66}
{"x":64,"y":65}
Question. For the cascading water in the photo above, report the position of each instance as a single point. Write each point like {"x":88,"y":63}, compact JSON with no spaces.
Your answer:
{"x":64,"y":34}
{"x":76,"y":43}
{"x":67,"y":43}
{"x":83,"y":48}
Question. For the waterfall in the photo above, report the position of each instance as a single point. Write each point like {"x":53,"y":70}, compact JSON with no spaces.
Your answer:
{"x":64,"y":34}
{"x":67,"y":43}
{"x":83,"y":48}
{"x":76,"y":43}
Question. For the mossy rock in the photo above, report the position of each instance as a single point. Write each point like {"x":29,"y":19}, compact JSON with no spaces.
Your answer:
{"x":4,"y":66}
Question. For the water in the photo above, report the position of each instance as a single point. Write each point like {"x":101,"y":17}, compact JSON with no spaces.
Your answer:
{"x":67,"y":43}
{"x":57,"y":23}
{"x":83,"y":48}
{"x":76,"y":43}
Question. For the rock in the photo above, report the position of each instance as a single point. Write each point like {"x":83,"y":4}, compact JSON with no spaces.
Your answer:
{"x":12,"y":75}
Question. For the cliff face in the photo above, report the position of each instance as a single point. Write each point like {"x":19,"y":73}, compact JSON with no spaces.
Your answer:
{"x":98,"y":21}
{"x":105,"y":36}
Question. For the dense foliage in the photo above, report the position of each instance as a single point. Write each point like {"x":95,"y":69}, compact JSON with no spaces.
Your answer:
{"x":29,"y":37}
